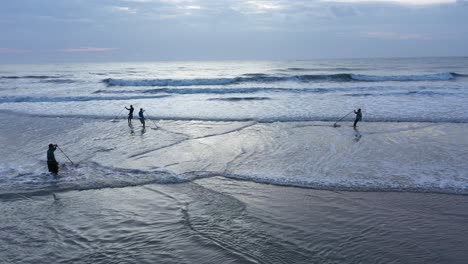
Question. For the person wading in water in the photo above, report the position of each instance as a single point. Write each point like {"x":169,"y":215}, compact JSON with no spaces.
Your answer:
{"x":130,"y":114}
{"x":142,"y":117}
{"x":52,"y":164}
{"x":358,"y":117}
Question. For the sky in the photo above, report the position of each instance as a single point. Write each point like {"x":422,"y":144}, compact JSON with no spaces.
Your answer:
{"x":44,"y":31}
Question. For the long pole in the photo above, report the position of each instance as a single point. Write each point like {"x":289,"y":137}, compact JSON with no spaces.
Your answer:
{"x":151,"y":120}
{"x":342,"y":118}
{"x":65,"y":155}
{"x":119,"y":113}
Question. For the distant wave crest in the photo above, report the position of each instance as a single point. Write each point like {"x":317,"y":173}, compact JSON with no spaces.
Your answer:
{"x":445,"y":76}
{"x":235,"y":99}
{"x":262,"y":78}
{"x":220,"y":90}
{"x":58,"y":81}
{"x":43,"y":99}
{"x":30,"y":77}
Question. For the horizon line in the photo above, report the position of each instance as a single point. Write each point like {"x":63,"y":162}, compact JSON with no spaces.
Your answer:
{"x":234,"y":60}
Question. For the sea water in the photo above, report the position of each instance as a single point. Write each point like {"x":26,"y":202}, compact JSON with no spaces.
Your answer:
{"x":271,"y":100}
{"x":190,"y":186}
{"x":412,"y":90}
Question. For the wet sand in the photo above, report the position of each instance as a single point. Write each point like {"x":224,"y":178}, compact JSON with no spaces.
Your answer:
{"x":219,"y":220}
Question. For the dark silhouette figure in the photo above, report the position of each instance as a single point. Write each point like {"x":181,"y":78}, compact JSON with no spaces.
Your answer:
{"x":130,"y":114}
{"x":358,"y":117}
{"x":142,"y":117}
{"x":52,"y":164}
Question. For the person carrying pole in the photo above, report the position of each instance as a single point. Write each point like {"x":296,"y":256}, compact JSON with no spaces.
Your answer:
{"x":358,"y":117}
{"x":52,"y":164}
{"x":142,"y":117}
{"x":130,"y":114}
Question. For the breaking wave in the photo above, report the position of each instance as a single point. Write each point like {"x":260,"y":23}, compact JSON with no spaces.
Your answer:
{"x":219,"y":90}
{"x":19,"y":183}
{"x":263,"y":78}
{"x":86,"y":176}
{"x":459,"y":74}
{"x":427,"y":93}
{"x":31,"y":77}
{"x":31,"y":99}
{"x":358,"y":91}
{"x":299,"y":69}
{"x":235,"y":99}
{"x":445,"y":76}
{"x":58,"y":81}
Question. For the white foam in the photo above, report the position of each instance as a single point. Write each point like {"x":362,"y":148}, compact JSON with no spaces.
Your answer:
{"x":445,"y":76}
{"x":168,"y":82}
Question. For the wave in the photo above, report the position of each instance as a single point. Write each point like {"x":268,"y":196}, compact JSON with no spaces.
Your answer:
{"x":235,"y":99}
{"x":255,"y":74}
{"x":298,"y":69}
{"x":354,"y":186}
{"x":86,"y":176}
{"x":366,"y":91}
{"x":58,"y":81}
{"x":216,"y":90}
{"x":459,"y":74}
{"x":445,"y":76}
{"x":410,"y":93}
{"x":31,"y":99}
{"x":30,"y":77}
{"x":21,"y":182}
{"x":169,"y":82}
{"x":328,"y":119}
{"x":263,"y":78}
{"x":239,"y":90}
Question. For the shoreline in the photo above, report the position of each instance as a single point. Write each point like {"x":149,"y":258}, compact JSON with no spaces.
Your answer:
{"x":327,"y":121}
{"x":376,"y":157}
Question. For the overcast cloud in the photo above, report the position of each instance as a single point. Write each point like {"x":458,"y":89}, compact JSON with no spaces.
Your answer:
{"x":135,"y":30}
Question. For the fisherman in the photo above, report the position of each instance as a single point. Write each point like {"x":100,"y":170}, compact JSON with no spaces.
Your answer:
{"x":142,"y":118}
{"x":52,"y":164}
{"x":358,"y":117}
{"x":130,"y":114}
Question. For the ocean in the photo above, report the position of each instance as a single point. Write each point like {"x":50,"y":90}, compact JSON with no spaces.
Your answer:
{"x":239,"y":162}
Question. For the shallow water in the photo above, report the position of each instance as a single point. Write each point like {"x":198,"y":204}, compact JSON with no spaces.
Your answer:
{"x":418,"y":157}
{"x":217,"y":220}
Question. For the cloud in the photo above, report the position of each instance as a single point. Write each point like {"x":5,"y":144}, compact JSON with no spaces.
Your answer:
{"x":88,"y":49}
{"x":125,"y":9}
{"x":220,"y":29}
{"x":403,"y":2}
{"x":12,"y":51}
{"x":396,"y":36}
{"x":258,"y":6}
{"x":343,"y":11}
{"x":137,"y":1}
{"x":192,"y":7}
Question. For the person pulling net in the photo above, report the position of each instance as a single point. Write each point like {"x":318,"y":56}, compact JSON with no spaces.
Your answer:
{"x":52,"y":163}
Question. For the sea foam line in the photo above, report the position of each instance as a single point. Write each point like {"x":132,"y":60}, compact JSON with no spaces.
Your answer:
{"x":329,"y":118}
{"x":262,"y":78}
